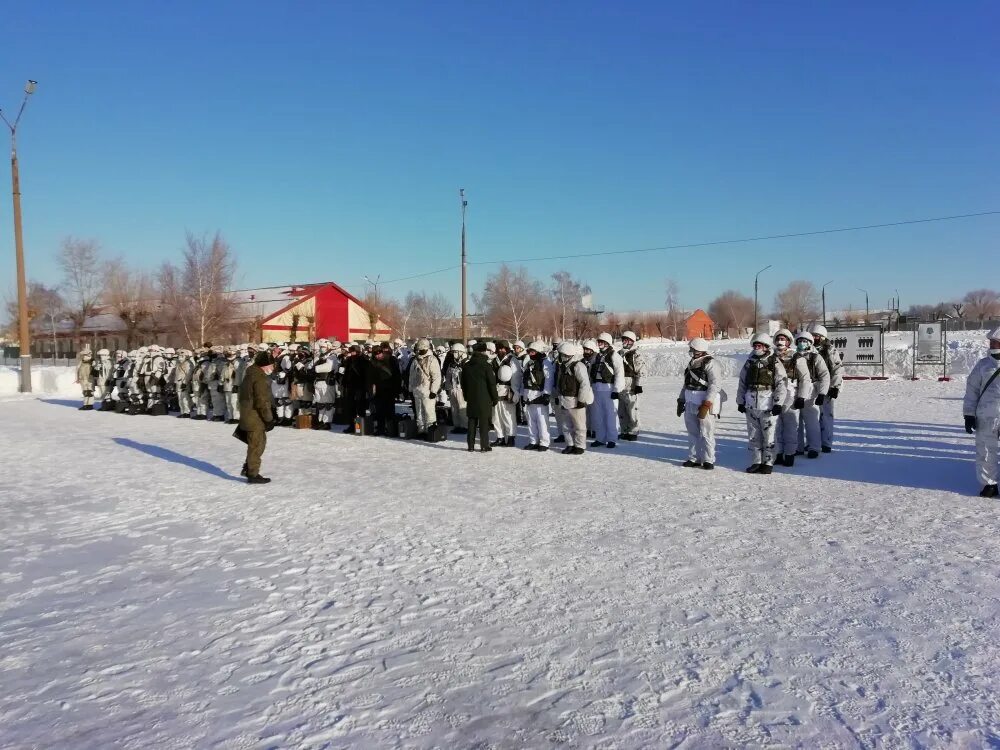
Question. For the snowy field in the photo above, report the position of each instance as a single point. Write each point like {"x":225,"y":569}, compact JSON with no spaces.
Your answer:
{"x":383,"y":594}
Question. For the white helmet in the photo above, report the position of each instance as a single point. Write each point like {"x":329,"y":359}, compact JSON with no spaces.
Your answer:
{"x":323,"y":344}
{"x":472,"y":342}
{"x":440,"y":349}
{"x":994,"y":335}
{"x":607,"y":338}
{"x":630,"y":335}
{"x":556,"y":342}
{"x":491,"y":347}
{"x":103,"y":353}
{"x":590,"y":344}
{"x":133,"y":354}
{"x":804,"y":336}
{"x":518,"y":343}
{"x":786,"y":333}
{"x":460,"y":348}
{"x":536,"y":346}
{"x":569,"y":349}
{"x":143,"y":350}
{"x":423,"y":345}
{"x":817,"y":329}
{"x":698,"y":344}
{"x":169,"y":351}
{"x":762,"y":338}
{"x":154,"y":349}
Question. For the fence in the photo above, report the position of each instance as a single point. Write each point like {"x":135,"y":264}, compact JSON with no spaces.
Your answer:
{"x":40,"y":361}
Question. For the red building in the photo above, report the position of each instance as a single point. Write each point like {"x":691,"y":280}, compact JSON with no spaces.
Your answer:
{"x":309,"y":312}
{"x":699,"y":324}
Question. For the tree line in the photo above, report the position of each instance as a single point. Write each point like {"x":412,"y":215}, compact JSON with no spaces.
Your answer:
{"x":182,"y":303}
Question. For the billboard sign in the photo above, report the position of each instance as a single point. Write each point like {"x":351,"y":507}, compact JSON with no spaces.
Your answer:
{"x":929,"y":345}
{"x":858,"y":345}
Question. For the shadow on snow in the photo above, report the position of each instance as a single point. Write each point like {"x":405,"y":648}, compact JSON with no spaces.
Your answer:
{"x":166,"y":454}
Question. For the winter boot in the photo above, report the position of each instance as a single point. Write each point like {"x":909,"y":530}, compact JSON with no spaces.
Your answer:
{"x":612,"y":444}
{"x":708,"y":466}
{"x":597,"y":444}
{"x":568,"y":450}
{"x":789,"y":460}
{"x":827,"y":449}
{"x":257,"y":479}
{"x":812,"y":454}
{"x":578,"y":451}
{"x":511,"y":442}
{"x":689,"y":464}
{"x":765,"y":469}
{"x":753,"y":469}
{"x":989,"y":490}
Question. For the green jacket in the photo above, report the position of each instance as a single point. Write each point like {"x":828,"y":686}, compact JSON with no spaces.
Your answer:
{"x":479,"y":385}
{"x":255,"y":400}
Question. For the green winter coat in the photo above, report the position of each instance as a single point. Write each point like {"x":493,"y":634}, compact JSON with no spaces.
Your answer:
{"x":479,"y":384}
{"x":255,"y":400}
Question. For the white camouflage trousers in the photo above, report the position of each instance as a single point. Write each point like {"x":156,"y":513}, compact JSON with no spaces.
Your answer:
{"x":505,"y":419}
{"x":760,"y":431}
{"x":987,"y":439}
{"x":701,"y":434}
{"x":810,"y":431}
{"x":232,"y":405}
{"x":459,"y":417}
{"x":184,"y":398}
{"x":826,"y":422}
{"x":604,"y":416}
{"x":538,"y":424}
{"x":323,"y":401}
{"x":424,"y":411}
{"x":574,"y":427}
{"x":628,"y":412}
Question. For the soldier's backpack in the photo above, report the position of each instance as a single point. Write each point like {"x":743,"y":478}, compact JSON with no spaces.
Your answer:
{"x":120,"y":406}
{"x":406,"y":428}
{"x":443,"y":415}
{"x":303,"y":421}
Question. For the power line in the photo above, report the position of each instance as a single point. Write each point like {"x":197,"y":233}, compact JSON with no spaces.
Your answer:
{"x":713,"y":243}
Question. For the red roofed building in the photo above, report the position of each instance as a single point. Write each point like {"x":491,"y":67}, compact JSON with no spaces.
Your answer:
{"x":308,"y":312}
{"x":699,"y":324}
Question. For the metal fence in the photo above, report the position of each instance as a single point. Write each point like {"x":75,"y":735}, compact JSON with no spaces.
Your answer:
{"x":40,"y":361}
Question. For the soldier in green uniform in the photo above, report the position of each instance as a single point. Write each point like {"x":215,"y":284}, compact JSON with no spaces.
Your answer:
{"x":256,"y":415}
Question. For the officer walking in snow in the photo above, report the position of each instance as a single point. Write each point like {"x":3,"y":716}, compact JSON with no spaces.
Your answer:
{"x":834,"y":364}
{"x":981,"y":409}
{"x":700,"y":403}
{"x":760,"y":394}
{"x":256,"y":416}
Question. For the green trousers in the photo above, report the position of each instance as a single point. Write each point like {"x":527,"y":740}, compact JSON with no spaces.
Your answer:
{"x":256,"y":442}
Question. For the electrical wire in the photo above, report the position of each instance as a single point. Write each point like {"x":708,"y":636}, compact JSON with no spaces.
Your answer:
{"x":712,"y":243}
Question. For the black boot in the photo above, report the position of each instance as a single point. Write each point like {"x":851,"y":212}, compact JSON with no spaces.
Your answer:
{"x":708,"y":466}
{"x":789,"y":460}
{"x":257,"y":479}
{"x":689,"y":464}
{"x":765,"y":469}
{"x":989,"y":490}
{"x":567,"y":450}
{"x":512,"y":442}
{"x":812,"y":454}
{"x":827,"y":449}
{"x":753,"y":469}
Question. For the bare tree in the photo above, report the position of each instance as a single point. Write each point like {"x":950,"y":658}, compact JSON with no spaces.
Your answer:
{"x":797,"y":304}
{"x":196,"y":293}
{"x":731,"y":311}
{"x":509,"y":301}
{"x":959,"y":309}
{"x":982,"y":304}
{"x":132,"y":296}
{"x":567,"y":296}
{"x":84,"y":279}
{"x":613,"y":324}
{"x":44,"y":303}
{"x":432,"y":314}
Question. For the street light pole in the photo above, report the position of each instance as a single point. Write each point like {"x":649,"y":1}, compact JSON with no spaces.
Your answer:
{"x":22,"y":285}
{"x":465,"y":315}
{"x":755,"y":315}
{"x":823,"y":294}
{"x":866,"y":303}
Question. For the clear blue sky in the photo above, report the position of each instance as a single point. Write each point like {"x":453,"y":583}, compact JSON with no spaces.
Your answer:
{"x":328,"y":140}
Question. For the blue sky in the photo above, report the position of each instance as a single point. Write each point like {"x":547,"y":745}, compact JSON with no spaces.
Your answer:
{"x":329,"y":140}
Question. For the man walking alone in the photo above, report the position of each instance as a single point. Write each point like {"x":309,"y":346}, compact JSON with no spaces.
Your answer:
{"x":256,"y":417}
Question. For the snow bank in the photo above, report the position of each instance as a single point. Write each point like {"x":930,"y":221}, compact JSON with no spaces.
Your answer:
{"x":58,"y":381}
{"x":965,"y":348}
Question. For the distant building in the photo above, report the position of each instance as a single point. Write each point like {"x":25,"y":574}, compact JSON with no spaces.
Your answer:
{"x":699,"y":324}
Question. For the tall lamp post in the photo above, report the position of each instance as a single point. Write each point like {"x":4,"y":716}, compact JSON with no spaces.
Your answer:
{"x":823,"y":295}
{"x":866,"y":303}
{"x":465,"y":315}
{"x":22,"y":286}
{"x":755,"y":315}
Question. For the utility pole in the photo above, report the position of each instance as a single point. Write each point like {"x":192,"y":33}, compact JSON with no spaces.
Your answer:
{"x":465,"y":314}
{"x":755,"y":316}
{"x":823,"y":295}
{"x":866,"y":303}
{"x":23,"y":333}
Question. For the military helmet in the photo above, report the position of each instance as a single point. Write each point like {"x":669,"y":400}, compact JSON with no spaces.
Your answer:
{"x":536,"y":346}
{"x":804,"y":336}
{"x":103,"y":353}
{"x":569,"y":349}
{"x":630,"y":335}
{"x":518,"y":344}
{"x":762,"y":338}
{"x":698,"y":345}
{"x":170,"y":351}
{"x":458,"y":347}
{"x":590,"y":344}
{"x":818,"y":329}
{"x":607,"y":338}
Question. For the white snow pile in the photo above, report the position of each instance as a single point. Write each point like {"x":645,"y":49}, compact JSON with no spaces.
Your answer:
{"x":398,"y":594}
{"x":46,"y":379}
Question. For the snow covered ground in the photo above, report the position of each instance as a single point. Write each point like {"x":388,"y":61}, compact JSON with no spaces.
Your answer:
{"x":383,"y":594}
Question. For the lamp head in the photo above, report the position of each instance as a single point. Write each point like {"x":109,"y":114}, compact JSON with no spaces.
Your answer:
{"x":29,"y":87}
